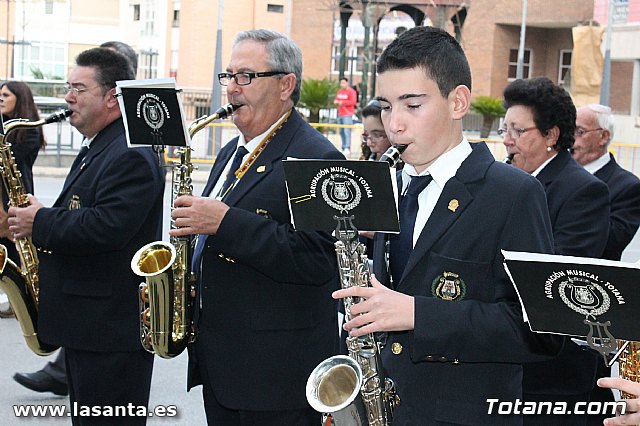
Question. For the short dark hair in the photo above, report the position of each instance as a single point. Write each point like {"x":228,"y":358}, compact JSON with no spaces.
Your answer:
{"x":373,"y":109}
{"x":432,"y":49}
{"x":110,"y":66}
{"x":124,"y":49}
{"x":550,"y":104}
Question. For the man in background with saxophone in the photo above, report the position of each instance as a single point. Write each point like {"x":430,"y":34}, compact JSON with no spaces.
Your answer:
{"x":110,"y":205}
{"x":456,"y":335}
{"x":264,"y":312}
{"x":53,"y":377}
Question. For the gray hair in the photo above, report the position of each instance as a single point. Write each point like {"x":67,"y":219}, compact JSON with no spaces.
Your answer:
{"x":283,"y":54}
{"x":604,"y":118}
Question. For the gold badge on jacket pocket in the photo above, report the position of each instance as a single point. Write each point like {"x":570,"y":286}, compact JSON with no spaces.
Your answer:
{"x":74,"y":202}
{"x":449,"y":286}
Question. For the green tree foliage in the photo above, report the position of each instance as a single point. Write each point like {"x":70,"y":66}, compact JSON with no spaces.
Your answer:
{"x":489,"y":108}
{"x":316,"y":95}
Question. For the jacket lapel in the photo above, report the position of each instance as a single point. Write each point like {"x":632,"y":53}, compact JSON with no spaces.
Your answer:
{"x":606,"y":171}
{"x":453,"y":201}
{"x":223,"y":158}
{"x":98,"y":145}
{"x":266,"y":161}
{"x":554,"y":167}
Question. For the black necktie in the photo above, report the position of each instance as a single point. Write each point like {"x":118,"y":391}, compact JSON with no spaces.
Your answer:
{"x":401,"y":245}
{"x":231,"y":177}
{"x":79,"y":158}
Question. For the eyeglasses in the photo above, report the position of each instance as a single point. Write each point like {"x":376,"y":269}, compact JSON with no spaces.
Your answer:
{"x":76,"y":90}
{"x":579,"y":132}
{"x":375,"y":137}
{"x":513,"y":132}
{"x":244,"y":78}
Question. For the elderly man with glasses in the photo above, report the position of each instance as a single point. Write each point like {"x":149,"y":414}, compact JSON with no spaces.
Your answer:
{"x":594,"y":132}
{"x":264,"y":315}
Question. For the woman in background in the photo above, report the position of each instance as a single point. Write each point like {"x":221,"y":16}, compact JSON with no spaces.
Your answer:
{"x":16,"y":101}
{"x":374,"y":137}
{"x":538,"y":131}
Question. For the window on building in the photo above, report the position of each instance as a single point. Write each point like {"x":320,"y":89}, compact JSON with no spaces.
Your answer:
{"x":275,"y":8}
{"x":136,"y":12}
{"x":564,"y":67}
{"x":176,"y":19}
{"x":354,"y":59}
{"x":41,"y":60}
{"x":513,"y":63}
{"x":48,"y":7}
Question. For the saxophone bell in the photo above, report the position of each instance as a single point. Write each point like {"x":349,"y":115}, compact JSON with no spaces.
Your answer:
{"x":165,"y":298}
{"x":24,"y":305}
{"x":333,"y":388}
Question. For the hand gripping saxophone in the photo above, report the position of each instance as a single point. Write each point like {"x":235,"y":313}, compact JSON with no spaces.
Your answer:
{"x":353,"y":389}
{"x":22,"y":284}
{"x":166,"y":320}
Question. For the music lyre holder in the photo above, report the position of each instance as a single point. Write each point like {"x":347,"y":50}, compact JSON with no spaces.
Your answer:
{"x":592,"y":299}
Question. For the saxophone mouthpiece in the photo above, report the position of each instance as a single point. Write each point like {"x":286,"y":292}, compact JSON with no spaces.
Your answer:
{"x":58,"y":116}
{"x":509,"y":159}
{"x":226,"y":110}
{"x":392,"y":155}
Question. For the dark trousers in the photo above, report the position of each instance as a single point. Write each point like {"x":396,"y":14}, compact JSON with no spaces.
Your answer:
{"x":57,"y":368}
{"x":113,"y":379}
{"x":217,"y":415}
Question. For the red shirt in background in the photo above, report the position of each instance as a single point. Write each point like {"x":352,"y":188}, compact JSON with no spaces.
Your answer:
{"x":346,"y":99}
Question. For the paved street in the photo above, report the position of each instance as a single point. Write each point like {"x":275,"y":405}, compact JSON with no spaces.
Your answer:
{"x":169,"y":376}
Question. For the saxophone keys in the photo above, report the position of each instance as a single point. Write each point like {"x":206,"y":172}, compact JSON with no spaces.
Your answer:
{"x":396,"y":348}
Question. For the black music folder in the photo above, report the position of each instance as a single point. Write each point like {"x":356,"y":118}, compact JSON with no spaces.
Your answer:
{"x":152,"y":112}
{"x":320,"y":191}
{"x":577,"y":296}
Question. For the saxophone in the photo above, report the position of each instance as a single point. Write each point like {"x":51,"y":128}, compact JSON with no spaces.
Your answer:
{"x":352,"y":389}
{"x":22,"y":284}
{"x":629,"y":364}
{"x":166,"y":323}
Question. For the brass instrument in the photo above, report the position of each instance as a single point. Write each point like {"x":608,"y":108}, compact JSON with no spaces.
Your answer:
{"x":629,"y":364}
{"x":353,"y":390}
{"x":22,"y":284}
{"x":166,"y":323}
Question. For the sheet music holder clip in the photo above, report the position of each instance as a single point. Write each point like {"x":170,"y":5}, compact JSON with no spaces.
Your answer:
{"x":594,"y":299}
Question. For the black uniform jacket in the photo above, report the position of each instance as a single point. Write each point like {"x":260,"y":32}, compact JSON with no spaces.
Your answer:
{"x":470,"y":337}
{"x":624,"y":192}
{"x":579,"y":211}
{"x":109,"y":207}
{"x":267,"y":316}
